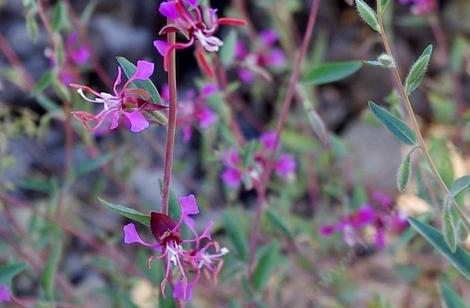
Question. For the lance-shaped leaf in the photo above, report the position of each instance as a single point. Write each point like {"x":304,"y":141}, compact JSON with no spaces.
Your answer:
{"x":460,"y":185}
{"x":129,"y":69}
{"x":449,"y":227}
{"x":7,"y":272}
{"x":368,"y":15}
{"x":127,"y":212}
{"x":460,"y":259}
{"x":331,"y":72}
{"x":236,"y":234}
{"x":266,"y":265}
{"x":450,"y":298}
{"x":418,"y":70}
{"x":227,"y":52}
{"x":403,"y":174}
{"x":384,"y":4}
{"x":394,"y":124}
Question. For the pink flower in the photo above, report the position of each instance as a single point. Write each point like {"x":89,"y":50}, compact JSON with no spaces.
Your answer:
{"x":188,"y":263}
{"x":131,"y":103}
{"x":232,"y":174}
{"x":4,"y":294}
{"x":196,"y":24}
{"x":381,"y":218}
{"x":285,"y":165}
{"x":76,"y":55}
{"x":262,"y":59}
{"x":421,"y":7}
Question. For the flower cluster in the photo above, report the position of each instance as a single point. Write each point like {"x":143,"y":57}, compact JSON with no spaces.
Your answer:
{"x":193,"y":110}
{"x":196,"y":24}
{"x":421,"y":7}
{"x":261,"y":60}
{"x":249,"y":170}
{"x":132,"y":104}
{"x":381,"y":217}
{"x":4,"y":294}
{"x":183,"y":265}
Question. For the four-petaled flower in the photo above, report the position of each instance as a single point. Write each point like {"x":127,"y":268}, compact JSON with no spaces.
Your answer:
{"x":134,"y":104}
{"x":195,"y":23}
{"x":182,"y":264}
{"x":381,"y":217}
{"x":263,"y":58}
{"x":421,"y":7}
{"x":237,"y":170}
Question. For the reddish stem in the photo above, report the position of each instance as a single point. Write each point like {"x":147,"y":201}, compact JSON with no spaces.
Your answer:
{"x":170,"y":139}
{"x":266,"y":175}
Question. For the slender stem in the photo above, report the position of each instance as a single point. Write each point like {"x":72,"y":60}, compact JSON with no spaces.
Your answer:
{"x":265,"y":177}
{"x":170,"y":139}
{"x":411,"y":114}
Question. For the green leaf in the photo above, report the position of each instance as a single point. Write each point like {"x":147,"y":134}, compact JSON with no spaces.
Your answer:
{"x":7,"y":272}
{"x":450,"y":298}
{"x":278,"y":222}
{"x":227,"y":52}
{"x":460,"y":259}
{"x":236,"y":234}
{"x":403,"y":174}
{"x":449,"y":227}
{"x":60,"y":18}
{"x":127,"y":212}
{"x":129,"y":69}
{"x":368,"y":15}
{"x":32,"y":25}
{"x":394,"y":124}
{"x":384,"y":4}
{"x":46,"y":79}
{"x":330,"y":72}
{"x":265,"y":266}
{"x":50,"y":269}
{"x":418,"y":70}
{"x":92,"y":165}
{"x":460,"y":185}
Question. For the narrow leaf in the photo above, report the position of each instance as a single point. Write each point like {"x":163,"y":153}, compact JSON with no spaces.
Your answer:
{"x":460,"y":185}
{"x":403,"y":175}
{"x":449,"y":228}
{"x":43,"y":82}
{"x":331,"y":72}
{"x":60,"y":18}
{"x":384,"y":4}
{"x":368,"y":15}
{"x":127,"y":212}
{"x":50,"y":269}
{"x":266,"y":266}
{"x":450,"y":298}
{"x":236,"y":235}
{"x":418,"y":70}
{"x":227,"y":52}
{"x":460,"y":259}
{"x":129,"y":69}
{"x":394,"y":124}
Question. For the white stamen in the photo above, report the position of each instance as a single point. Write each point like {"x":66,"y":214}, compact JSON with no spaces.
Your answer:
{"x":210,"y":43}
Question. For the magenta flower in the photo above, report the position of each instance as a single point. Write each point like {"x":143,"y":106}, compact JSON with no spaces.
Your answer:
{"x":235,"y":170}
{"x":197,"y":24}
{"x":182,"y":264}
{"x":76,"y":55}
{"x":128,"y":103}
{"x":261,"y":60}
{"x":4,"y":294}
{"x":381,"y":217}
{"x":421,"y":7}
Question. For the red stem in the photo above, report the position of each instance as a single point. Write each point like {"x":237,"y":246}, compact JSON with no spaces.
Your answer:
{"x":170,"y":139}
{"x":266,"y":175}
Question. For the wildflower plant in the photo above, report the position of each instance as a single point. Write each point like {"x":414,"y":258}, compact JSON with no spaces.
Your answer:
{"x":241,"y":192}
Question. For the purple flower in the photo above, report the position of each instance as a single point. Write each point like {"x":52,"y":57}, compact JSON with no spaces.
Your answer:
{"x":381,"y":218}
{"x":133,"y":104}
{"x":285,"y":165}
{"x":77,"y":54}
{"x":4,"y":294}
{"x":196,"y":24}
{"x":232,"y":174}
{"x":421,"y":7}
{"x":261,"y":60}
{"x":188,"y":263}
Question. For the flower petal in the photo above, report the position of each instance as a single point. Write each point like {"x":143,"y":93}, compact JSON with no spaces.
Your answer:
{"x":4,"y":294}
{"x":144,"y":70}
{"x":269,"y":37}
{"x":285,"y":165}
{"x":168,"y":9}
{"x":137,"y":120}
{"x":183,"y":290}
{"x":232,"y":177}
{"x":268,"y":140}
{"x":162,"y":46}
{"x":188,"y":205}
{"x":131,"y":236}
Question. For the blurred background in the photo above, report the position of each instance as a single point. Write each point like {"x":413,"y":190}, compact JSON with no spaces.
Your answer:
{"x":77,"y":257}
